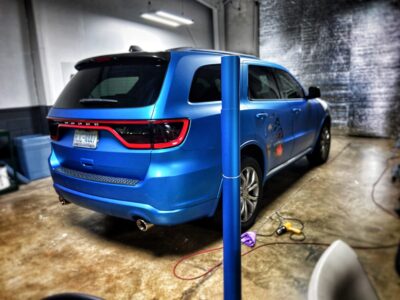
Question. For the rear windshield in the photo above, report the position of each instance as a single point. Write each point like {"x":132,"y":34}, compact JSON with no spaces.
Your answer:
{"x":133,"y":84}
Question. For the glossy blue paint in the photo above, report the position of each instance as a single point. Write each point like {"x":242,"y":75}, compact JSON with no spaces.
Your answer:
{"x":230,"y":129}
{"x":182,"y":183}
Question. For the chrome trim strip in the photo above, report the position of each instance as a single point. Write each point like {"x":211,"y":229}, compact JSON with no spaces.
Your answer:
{"x":285,"y":164}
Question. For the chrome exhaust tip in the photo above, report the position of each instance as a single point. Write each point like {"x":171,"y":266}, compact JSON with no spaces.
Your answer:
{"x":63,"y":201}
{"x":143,"y":225}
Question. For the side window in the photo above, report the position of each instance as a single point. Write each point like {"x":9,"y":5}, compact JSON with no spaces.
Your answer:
{"x":206,"y":84}
{"x":289,"y":87}
{"x":262,"y":84}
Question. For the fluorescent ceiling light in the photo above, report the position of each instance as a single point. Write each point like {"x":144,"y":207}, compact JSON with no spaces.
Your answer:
{"x":173,"y":17}
{"x":154,"y":18}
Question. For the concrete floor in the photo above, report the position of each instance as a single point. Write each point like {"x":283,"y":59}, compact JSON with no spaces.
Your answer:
{"x":46,"y":248}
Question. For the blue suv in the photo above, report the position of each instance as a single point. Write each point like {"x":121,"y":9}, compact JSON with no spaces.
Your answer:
{"x":137,"y":135}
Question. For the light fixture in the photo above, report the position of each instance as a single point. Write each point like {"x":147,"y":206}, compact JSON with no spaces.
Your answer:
{"x":155,"y":18}
{"x":174,"y":18}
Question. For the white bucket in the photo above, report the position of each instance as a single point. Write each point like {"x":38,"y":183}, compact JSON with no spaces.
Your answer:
{"x":4,"y":180}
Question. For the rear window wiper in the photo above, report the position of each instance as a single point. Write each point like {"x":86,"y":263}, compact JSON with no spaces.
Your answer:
{"x":97,"y":100}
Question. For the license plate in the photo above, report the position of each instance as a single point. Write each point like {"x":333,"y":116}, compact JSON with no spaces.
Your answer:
{"x":85,"y":138}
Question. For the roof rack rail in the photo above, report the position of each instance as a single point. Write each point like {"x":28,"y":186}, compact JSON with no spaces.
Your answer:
{"x":180,"y":48}
{"x":226,"y":52}
{"x":211,"y":51}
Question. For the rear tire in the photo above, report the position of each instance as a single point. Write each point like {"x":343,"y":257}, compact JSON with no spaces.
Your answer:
{"x":251,"y":193}
{"x":320,"y":154}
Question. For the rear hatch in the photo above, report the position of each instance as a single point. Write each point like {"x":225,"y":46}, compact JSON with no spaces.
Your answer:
{"x":101,"y":123}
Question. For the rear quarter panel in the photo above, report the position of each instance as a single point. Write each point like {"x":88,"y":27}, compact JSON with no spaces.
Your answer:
{"x":200,"y":154}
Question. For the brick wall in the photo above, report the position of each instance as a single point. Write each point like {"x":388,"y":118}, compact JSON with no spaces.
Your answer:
{"x":24,"y":120}
{"x":350,"y":49}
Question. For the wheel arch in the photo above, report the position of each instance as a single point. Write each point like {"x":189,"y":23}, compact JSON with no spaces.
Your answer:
{"x":326,"y":120}
{"x":252,"y":149}
{"x":255,"y":151}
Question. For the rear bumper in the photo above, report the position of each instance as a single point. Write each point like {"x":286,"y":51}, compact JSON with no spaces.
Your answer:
{"x":133,"y":210}
{"x":172,"y":192}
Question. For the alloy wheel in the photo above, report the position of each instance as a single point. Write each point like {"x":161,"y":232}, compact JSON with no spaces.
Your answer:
{"x":325,"y":143}
{"x":249,"y":192}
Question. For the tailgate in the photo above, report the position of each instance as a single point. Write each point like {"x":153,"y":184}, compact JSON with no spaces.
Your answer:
{"x":109,"y":158}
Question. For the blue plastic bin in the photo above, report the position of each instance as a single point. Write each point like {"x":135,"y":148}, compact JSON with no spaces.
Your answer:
{"x":33,"y":152}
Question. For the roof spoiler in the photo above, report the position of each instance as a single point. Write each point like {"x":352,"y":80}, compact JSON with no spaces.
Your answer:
{"x":161,"y":57}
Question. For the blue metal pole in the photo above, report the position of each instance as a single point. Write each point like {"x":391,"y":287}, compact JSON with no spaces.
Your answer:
{"x":231,"y":176}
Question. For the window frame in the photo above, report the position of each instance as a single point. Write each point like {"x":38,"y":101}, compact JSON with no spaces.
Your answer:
{"x":64,"y":100}
{"x":276,"y":70}
{"x":192,"y":81}
{"x":271,"y":70}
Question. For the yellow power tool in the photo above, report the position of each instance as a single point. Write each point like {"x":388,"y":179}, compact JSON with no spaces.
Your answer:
{"x":287,"y":227}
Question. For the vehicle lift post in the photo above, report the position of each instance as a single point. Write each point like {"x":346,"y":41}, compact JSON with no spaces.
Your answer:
{"x":230,"y":144}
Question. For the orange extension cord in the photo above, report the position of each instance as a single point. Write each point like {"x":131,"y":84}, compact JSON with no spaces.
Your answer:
{"x":201,"y":252}
{"x":217,"y":265}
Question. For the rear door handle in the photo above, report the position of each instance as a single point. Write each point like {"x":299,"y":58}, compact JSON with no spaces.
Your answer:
{"x":262,"y":116}
{"x":296,"y":110}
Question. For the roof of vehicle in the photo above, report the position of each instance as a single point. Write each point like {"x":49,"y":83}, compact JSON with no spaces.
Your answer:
{"x":165,"y":56}
{"x":247,"y":57}
{"x":211,"y":51}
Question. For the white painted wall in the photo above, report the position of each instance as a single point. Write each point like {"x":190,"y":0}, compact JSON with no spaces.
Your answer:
{"x":17,"y":87}
{"x":70,"y":30}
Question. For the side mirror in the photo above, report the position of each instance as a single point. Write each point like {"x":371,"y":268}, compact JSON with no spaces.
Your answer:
{"x":313,"y":92}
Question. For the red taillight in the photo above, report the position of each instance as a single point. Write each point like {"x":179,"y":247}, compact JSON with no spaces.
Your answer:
{"x":169,"y":133}
{"x":149,"y":134}
{"x":53,"y":129}
{"x":135,"y":134}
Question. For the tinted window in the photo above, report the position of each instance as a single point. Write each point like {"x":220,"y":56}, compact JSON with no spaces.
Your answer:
{"x":206,"y":84}
{"x":262,"y":84}
{"x":114,"y":85}
{"x":289,"y":87}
